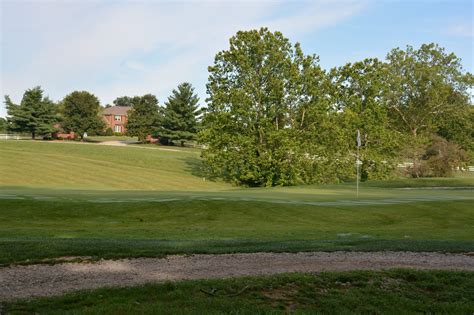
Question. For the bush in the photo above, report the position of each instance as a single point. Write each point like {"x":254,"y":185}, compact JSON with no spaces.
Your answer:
{"x":440,"y":158}
{"x":118,"y":134}
{"x":109,"y":132}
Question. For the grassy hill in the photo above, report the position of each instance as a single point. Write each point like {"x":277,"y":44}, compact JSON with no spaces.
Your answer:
{"x":92,"y":166}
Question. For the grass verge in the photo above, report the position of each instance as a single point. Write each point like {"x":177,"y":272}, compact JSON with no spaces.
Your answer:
{"x":51,"y":250}
{"x":392,"y":291}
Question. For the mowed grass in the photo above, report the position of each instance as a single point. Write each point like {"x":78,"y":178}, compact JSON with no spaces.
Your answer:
{"x":359,"y":292}
{"x":36,"y":224}
{"x":92,"y":166}
{"x":90,"y":200}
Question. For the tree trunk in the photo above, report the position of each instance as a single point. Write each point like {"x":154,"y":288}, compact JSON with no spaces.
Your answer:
{"x":33,"y":135}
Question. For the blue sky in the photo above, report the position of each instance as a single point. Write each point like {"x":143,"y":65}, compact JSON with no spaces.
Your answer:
{"x":115,"y":48}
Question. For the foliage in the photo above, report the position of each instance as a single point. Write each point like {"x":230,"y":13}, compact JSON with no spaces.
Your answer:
{"x":35,"y":114}
{"x":423,"y":85}
{"x":3,"y":124}
{"x":274,"y":117}
{"x":263,"y":123}
{"x":457,"y":125}
{"x":123,"y":101}
{"x":109,"y":132}
{"x":144,"y":118}
{"x":82,"y":113}
{"x":180,"y":115}
{"x":359,"y":95}
{"x":439,"y":158}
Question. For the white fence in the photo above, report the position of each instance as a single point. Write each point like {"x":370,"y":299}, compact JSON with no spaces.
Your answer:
{"x":12,"y":136}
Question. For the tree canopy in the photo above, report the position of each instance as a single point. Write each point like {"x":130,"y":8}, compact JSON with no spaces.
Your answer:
{"x":82,"y":113}
{"x":262,"y":125}
{"x":274,"y":117}
{"x":35,"y":114}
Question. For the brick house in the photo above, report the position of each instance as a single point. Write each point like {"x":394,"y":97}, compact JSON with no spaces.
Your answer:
{"x":116,"y":117}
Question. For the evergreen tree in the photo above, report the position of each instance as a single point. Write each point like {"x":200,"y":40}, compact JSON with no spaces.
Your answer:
{"x":144,"y":118}
{"x":82,"y":113}
{"x":35,"y":114}
{"x":180,"y":116}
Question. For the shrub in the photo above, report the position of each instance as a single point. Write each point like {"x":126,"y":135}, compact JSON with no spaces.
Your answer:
{"x":439,"y":159}
{"x":109,"y":132}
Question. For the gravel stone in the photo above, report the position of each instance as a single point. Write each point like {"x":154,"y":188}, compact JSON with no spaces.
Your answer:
{"x":20,"y":282}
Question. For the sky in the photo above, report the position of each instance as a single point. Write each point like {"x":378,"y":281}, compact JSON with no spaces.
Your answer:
{"x":115,"y":48}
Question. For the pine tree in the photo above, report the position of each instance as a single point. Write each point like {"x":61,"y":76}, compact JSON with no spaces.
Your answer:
{"x":181,"y":114}
{"x":35,"y":114}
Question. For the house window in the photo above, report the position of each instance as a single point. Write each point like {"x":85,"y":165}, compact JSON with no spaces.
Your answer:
{"x":118,"y":128}
{"x":118,"y":118}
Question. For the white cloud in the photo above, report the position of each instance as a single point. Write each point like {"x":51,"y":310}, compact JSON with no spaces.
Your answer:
{"x":132,"y":48}
{"x":462,"y":30}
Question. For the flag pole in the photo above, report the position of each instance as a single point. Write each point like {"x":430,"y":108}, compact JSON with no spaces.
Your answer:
{"x":357,"y":172}
{"x":357,"y":162}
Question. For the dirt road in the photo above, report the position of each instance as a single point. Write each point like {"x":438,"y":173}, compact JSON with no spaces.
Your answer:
{"x":47,"y":280}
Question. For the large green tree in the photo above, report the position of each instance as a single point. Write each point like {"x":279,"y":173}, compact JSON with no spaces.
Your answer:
{"x":82,"y":113}
{"x":360,"y":96}
{"x":181,"y":114}
{"x":267,"y":118}
{"x":144,"y":118}
{"x":35,"y":114}
{"x":428,"y":93}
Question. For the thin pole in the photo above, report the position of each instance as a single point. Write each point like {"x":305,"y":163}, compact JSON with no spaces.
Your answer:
{"x":357,"y":163}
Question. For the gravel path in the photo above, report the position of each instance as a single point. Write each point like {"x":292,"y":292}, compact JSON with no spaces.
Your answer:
{"x":47,"y":280}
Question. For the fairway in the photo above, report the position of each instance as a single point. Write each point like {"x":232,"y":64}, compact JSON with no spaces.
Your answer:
{"x":103,"y":201}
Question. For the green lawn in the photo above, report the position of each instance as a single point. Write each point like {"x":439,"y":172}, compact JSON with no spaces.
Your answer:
{"x":367,"y":292}
{"x":102,"y":201}
{"x":92,"y":166}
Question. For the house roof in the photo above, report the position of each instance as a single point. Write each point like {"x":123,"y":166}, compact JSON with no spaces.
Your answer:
{"x":117,"y":110}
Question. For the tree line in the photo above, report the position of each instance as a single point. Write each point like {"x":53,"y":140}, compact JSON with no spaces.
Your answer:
{"x":80,"y":112}
{"x":275,"y":117}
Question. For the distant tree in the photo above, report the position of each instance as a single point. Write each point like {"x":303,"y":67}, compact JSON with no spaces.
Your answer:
{"x":180,"y":116}
{"x":3,"y":124}
{"x":123,"y":101}
{"x":35,"y":114}
{"x":144,"y":118}
{"x":82,"y":113}
{"x":423,"y":85}
{"x":439,"y":158}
